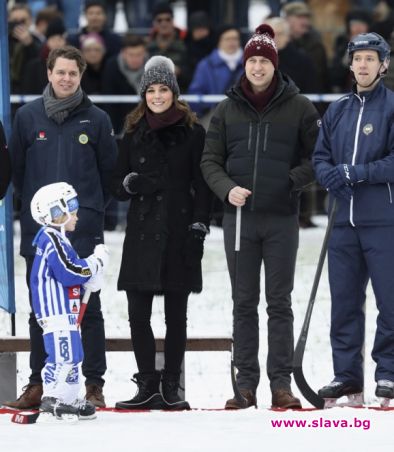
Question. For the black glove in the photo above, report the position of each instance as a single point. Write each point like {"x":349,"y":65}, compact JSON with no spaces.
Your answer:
{"x":194,"y":247}
{"x":142,"y":184}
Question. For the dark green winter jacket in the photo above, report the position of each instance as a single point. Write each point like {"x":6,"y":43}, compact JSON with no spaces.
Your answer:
{"x":269,"y":152}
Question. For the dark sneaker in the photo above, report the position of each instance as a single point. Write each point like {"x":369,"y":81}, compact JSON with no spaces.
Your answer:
{"x":250,"y":400}
{"x":29,"y":400}
{"x":284,"y":398}
{"x":58,"y":409}
{"x":86,"y":409}
{"x":94,"y":393}
{"x":385,"y":389}
{"x":337,"y":389}
{"x":148,"y":396}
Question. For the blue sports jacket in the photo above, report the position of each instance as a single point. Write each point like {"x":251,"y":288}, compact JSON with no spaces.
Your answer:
{"x":82,"y":152}
{"x":359,"y":129}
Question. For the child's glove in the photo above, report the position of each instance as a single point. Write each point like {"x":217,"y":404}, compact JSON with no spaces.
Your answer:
{"x":95,"y":282}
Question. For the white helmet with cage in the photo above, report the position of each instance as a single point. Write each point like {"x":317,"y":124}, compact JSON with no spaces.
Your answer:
{"x":52,"y":201}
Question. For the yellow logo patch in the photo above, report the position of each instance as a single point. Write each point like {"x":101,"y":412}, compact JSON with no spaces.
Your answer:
{"x":83,"y":138}
{"x":367,"y":129}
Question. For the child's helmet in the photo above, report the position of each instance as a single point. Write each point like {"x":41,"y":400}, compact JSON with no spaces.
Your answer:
{"x":53,"y":201}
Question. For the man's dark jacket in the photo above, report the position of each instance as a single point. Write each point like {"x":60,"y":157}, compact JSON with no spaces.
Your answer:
{"x":81,"y":151}
{"x":268,"y":153}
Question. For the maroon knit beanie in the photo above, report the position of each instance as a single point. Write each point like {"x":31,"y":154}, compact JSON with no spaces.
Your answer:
{"x":262,"y":44}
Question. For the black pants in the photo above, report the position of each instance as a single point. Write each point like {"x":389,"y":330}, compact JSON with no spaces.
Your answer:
{"x":140,"y":311}
{"x":93,"y":340}
{"x":272,"y":239}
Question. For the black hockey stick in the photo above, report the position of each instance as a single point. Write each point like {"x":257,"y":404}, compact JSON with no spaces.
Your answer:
{"x":238,"y":396}
{"x":299,"y":378}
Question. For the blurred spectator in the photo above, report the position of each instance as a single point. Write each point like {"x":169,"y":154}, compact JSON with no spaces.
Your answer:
{"x":42,"y":19}
{"x":357,"y":21}
{"x":122,"y":75}
{"x":35,"y":77}
{"x":23,"y":46}
{"x":71,"y":10}
{"x":96,"y":23}
{"x":384,"y":18}
{"x":307,"y":38}
{"x":168,"y":40}
{"x":293,"y":61}
{"x":389,"y":79}
{"x":137,"y":12}
{"x":93,"y":50}
{"x":221,"y":69}
{"x":200,"y":39}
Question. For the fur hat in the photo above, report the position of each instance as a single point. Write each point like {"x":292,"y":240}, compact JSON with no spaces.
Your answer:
{"x":159,"y":69}
{"x":262,"y":44}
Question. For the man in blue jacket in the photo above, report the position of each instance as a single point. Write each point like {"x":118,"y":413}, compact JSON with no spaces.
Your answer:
{"x":354,"y":161}
{"x":62,"y":136}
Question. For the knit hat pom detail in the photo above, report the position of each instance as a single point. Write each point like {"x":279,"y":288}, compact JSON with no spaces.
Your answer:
{"x":265,"y":28}
{"x":159,"y":60}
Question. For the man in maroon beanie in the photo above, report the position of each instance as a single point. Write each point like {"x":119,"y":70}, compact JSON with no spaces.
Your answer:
{"x":257,"y":156}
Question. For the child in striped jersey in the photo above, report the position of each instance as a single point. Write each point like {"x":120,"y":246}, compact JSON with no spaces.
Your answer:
{"x":56,"y":279}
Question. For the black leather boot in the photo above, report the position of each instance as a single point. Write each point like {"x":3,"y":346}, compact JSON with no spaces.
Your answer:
{"x":148,"y":396}
{"x":169,"y":387}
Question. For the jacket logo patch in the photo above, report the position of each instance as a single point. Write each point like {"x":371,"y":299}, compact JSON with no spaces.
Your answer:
{"x":83,"y":138}
{"x":41,"y":136}
{"x":367,"y":129}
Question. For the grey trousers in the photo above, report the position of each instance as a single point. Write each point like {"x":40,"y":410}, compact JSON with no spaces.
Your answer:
{"x":272,"y":239}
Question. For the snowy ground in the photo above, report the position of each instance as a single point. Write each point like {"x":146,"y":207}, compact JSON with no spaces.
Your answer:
{"x":207,"y":375}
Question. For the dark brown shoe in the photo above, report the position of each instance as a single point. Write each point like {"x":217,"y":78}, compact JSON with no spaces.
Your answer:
{"x":250,"y":400}
{"x":94,"y":393}
{"x":284,"y":398}
{"x":29,"y":400}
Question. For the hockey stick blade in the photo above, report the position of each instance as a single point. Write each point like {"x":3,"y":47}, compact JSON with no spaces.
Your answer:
{"x":25,"y":417}
{"x":298,"y":373}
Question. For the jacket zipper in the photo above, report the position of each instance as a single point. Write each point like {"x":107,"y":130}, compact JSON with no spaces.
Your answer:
{"x":266,"y":125}
{"x":389,"y":188}
{"x":360,"y":114}
{"x":256,"y":158}
{"x":250,"y":135}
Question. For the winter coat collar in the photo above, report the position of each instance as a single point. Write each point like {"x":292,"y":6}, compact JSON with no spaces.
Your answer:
{"x":285,"y":89}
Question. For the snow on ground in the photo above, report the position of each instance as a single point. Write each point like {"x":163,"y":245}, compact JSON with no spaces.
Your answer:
{"x":208,"y":382}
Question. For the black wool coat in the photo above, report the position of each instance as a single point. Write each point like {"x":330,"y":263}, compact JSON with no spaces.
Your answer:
{"x":154,"y":254}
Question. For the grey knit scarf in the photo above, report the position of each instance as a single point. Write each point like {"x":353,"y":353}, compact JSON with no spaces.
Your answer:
{"x":132,"y":77}
{"x":59,"y":109}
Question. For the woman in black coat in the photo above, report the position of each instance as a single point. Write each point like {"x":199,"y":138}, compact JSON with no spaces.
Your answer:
{"x":158,"y":168}
{"x":5,"y":164}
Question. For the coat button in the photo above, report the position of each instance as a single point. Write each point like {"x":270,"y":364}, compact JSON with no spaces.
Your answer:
{"x":157,"y":237}
{"x":142,"y":236}
{"x":141,"y":197}
{"x":159,"y":197}
{"x":142,"y":160}
{"x":142,"y":217}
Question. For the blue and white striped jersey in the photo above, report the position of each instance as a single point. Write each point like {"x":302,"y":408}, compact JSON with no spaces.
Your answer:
{"x":55,"y":281}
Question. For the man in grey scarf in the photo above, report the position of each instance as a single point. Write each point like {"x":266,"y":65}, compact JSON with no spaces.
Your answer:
{"x":63,"y":137}
{"x":122,"y":75}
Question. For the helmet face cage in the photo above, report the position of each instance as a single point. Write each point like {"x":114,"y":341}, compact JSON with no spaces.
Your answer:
{"x":369,"y":41}
{"x":52,"y":201}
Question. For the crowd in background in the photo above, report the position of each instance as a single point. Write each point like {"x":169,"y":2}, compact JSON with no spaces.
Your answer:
{"x":207,"y":55}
